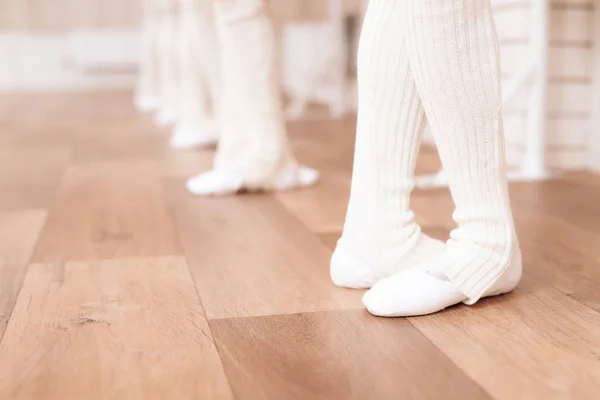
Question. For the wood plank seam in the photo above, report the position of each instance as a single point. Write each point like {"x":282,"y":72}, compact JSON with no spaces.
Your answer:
{"x":18,"y":292}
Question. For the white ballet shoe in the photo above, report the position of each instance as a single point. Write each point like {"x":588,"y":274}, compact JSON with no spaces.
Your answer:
{"x":219,"y":183}
{"x":297,"y":176}
{"x":147,"y":104}
{"x":214,"y":183}
{"x":165,"y":117}
{"x":349,"y":272}
{"x":418,"y":292}
{"x":186,"y":138}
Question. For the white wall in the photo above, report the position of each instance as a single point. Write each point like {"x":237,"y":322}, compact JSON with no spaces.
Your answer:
{"x":594,"y":139}
{"x":88,"y":59}
{"x":42,"y":47}
{"x":570,"y":75}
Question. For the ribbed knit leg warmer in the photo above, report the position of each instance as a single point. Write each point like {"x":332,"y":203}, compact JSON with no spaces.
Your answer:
{"x":380,"y":235}
{"x":167,"y":59}
{"x":147,"y":97}
{"x":199,"y":62}
{"x":453,"y":55}
{"x":253,"y":151}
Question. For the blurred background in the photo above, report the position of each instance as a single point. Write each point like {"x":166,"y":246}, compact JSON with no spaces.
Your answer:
{"x":65,"y":45}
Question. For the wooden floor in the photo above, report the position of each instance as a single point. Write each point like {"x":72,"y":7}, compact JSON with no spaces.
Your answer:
{"x":117,"y":284}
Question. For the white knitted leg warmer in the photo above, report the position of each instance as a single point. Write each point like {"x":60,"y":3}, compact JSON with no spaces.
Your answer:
{"x":380,"y":235}
{"x":167,"y":59}
{"x":147,"y":97}
{"x":253,"y":149}
{"x":453,"y":51}
{"x":199,"y":62}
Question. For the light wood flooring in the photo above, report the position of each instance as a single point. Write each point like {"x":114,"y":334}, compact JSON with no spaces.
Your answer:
{"x":117,"y":284}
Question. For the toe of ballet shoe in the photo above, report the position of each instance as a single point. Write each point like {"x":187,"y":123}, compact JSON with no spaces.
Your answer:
{"x":348,"y":272}
{"x":196,"y":185}
{"x":373,"y":304}
{"x":179,"y":144}
{"x":295,"y":177}
{"x":308,"y":176}
{"x":383,"y":300}
{"x":146,"y":104}
{"x":165,"y":117}
{"x":410,"y":293}
{"x":182,"y":142}
{"x":213,"y":184}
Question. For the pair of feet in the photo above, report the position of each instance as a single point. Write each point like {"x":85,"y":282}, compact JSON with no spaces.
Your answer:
{"x":406,"y":282}
{"x":184,"y":136}
{"x":219,"y":183}
{"x":163,"y":116}
{"x":189,"y":137}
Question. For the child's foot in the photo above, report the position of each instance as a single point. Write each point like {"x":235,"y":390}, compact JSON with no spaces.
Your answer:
{"x":350,"y":272}
{"x":218,"y":183}
{"x":147,"y":104}
{"x":165,"y":117}
{"x":421,"y":291}
{"x":187,"y":138}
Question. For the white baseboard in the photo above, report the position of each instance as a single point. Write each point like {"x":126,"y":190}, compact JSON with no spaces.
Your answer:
{"x":75,"y":61}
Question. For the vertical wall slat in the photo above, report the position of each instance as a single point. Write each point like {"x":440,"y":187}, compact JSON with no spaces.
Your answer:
{"x":570,"y":75}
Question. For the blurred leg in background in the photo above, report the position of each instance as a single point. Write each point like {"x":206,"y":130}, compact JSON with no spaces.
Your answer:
{"x":253,"y":151}
{"x":168,"y":75}
{"x":147,"y":93}
{"x":200,"y":82}
{"x":380,"y":234}
{"x":453,"y":57}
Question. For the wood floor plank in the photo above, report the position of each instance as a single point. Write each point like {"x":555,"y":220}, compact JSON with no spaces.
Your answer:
{"x":433,"y":209}
{"x":19,"y":231}
{"x":108,"y":210}
{"x":583,"y":177}
{"x":116,"y":329}
{"x":250,"y":256}
{"x":49,"y":137}
{"x":534,"y":344}
{"x":120,"y":145}
{"x":184,"y":164}
{"x":85,"y":113}
{"x":561,"y":255}
{"x":330,"y":239}
{"x":30,"y":176}
{"x":323,"y":207}
{"x":576,"y":202}
{"x":336,"y":355}
{"x":328,"y":146}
